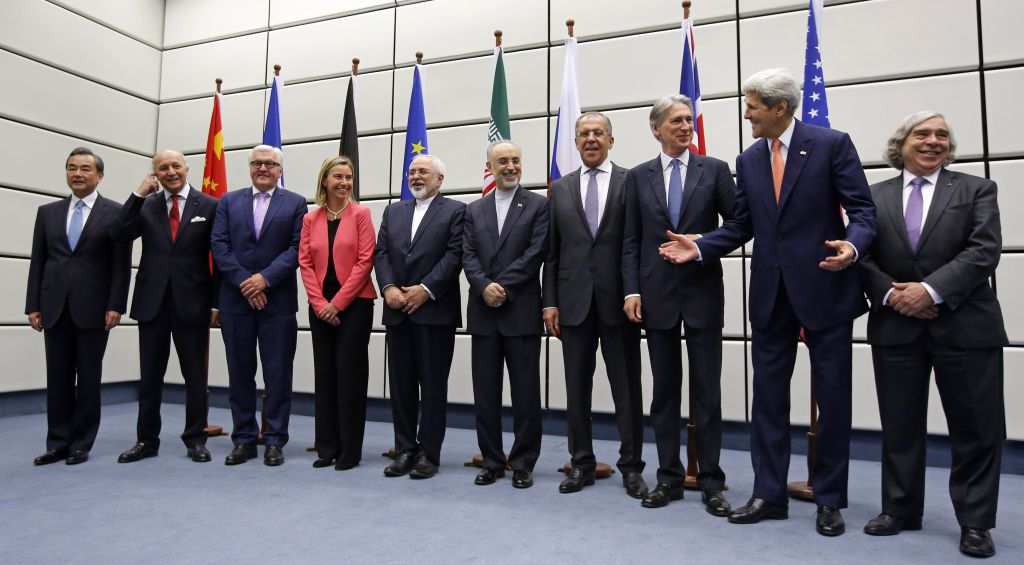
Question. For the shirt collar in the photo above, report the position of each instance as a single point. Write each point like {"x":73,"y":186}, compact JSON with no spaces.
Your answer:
{"x":89,"y":200}
{"x":933,"y":179}
{"x":426,"y":201}
{"x":270,"y":193}
{"x":604,"y":167}
{"x":183,"y":193}
{"x":786,"y":137}
{"x":505,"y":194}
{"x":666,"y":161}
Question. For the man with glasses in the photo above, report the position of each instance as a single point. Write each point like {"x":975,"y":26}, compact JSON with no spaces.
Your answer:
{"x":255,"y":242}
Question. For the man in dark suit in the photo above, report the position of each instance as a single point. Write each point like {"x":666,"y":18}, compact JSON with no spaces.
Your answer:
{"x":679,"y":191}
{"x":255,"y":243}
{"x":932,"y":307}
{"x":583,"y":303}
{"x":790,"y":188}
{"x":174,"y":294}
{"x":77,"y":290}
{"x":418,"y":257}
{"x":503,"y":246}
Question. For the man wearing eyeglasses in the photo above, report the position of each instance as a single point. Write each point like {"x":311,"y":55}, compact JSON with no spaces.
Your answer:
{"x":255,"y":243}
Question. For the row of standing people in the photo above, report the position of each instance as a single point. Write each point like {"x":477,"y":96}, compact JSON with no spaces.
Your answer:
{"x":623,"y":249}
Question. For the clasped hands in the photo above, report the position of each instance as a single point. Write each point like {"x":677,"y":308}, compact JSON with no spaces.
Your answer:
{"x":408,"y":299}
{"x":253,"y":289}
{"x":912,"y":299}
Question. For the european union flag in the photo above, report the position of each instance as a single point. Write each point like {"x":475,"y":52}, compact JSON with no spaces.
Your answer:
{"x":415,"y":131}
{"x":272,"y":127}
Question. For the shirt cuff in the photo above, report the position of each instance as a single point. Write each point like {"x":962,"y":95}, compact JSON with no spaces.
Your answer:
{"x":885,"y":299}
{"x":430,"y":294}
{"x":936,"y":298}
{"x":550,"y":308}
{"x":628,"y":296}
{"x":856,"y":253}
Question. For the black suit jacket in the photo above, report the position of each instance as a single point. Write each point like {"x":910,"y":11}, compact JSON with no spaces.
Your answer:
{"x":90,"y":280}
{"x":581,"y":268}
{"x":694,"y":290}
{"x":512,"y":260}
{"x":957,"y":252}
{"x":181,"y":265}
{"x":433,"y":258}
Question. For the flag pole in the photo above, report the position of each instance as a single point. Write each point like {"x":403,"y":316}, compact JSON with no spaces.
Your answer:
{"x":264,"y":425}
{"x":211,"y":431}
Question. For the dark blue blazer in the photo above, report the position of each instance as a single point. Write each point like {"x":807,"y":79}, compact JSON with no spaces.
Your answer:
{"x":512,"y":260}
{"x":239,"y":255}
{"x":433,"y":258}
{"x":823,"y":173}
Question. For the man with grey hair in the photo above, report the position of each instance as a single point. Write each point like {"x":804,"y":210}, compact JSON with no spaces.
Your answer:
{"x":583,"y":303}
{"x":790,"y":188}
{"x":932,"y":308}
{"x":417,"y":261}
{"x":679,"y":191}
{"x":255,"y":242}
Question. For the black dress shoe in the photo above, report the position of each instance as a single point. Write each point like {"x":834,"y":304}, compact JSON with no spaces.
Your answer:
{"x":635,"y":484}
{"x":976,"y":542}
{"x":340,"y":465}
{"x":199,"y":454}
{"x":488,"y":476}
{"x":830,"y":521}
{"x":576,"y":480}
{"x":522,"y":479}
{"x":77,"y":456}
{"x":423,"y":469}
{"x":661,"y":495}
{"x":138,"y":452}
{"x":51,"y":456}
{"x":240,"y":454}
{"x":757,"y":509}
{"x":401,"y":465}
{"x":715,"y":503}
{"x":322,"y":462}
{"x":273,"y":456}
{"x":889,"y":525}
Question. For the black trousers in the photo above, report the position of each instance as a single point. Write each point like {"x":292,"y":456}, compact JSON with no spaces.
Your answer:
{"x":74,"y":369}
{"x":341,"y":371}
{"x":704,"y":353}
{"x":192,"y":343}
{"x":620,"y":348}
{"x":419,"y":361}
{"x":774,"y":349}
{"x":490,"y":353}
{"x":971,"y":388}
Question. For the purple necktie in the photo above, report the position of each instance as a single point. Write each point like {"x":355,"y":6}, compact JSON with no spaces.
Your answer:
{"x":913,"y":213}
{"x":259,"y":211}
{"x":590,"y":202}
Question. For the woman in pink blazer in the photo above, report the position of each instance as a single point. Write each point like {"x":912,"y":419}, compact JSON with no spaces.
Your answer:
{"x":335,"y":258}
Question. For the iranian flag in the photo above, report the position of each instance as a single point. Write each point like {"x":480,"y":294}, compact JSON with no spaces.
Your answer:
{"x":498,"y":127}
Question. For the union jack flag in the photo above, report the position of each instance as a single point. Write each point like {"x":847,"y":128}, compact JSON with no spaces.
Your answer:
{"x":689,"y":86}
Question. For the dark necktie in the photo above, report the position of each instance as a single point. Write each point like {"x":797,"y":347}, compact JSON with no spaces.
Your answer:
{"x":914,"y":212}
{"x":590,"y":204}
{"x":675,"y":194}
{"x":174,"y":218}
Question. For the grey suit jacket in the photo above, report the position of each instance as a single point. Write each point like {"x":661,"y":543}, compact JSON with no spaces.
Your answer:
{"x":956,"y":255}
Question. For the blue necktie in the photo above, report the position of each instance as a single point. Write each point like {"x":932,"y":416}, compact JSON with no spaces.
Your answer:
{"x":590,"y":202}
{"x":675,"y":194}
{"x":75,"y":227}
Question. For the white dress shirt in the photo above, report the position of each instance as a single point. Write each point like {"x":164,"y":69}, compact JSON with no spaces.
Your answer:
{"x":927,"y":191}
{"x":89,"y":201}
{"x":666,"y":169}
{"x":417,"y":214}
{"x":604,"y":180}
{"x":785,"y":138}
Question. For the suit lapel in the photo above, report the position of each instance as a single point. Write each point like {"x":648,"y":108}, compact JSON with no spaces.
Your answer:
{"x":760,"y":176}
{"x":891,"y":199}
{"x":319,"y":226}
{"x":799,"y":148}
{"x":247,"y":202}
{"x":432,"y":212}
{"x":515,"y":209}
{"x":98,"y":209}
{"x":694,"y":170}
{"x":273,"y":208}
{"x":944,"y":189}
{"x":615,"y":185}
{"x":656,"y":184}
{"x":157,"y":207}
{"x":62,"y":223}
{"x":575,"y":189}
{"x":187,"y":212}
{"x":491,"y":216}
{"x":401,"y":218}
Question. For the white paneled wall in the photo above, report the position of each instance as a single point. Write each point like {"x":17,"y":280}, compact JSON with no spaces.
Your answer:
{"x":159,"y":95}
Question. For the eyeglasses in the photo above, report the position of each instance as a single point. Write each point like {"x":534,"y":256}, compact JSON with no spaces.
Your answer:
{"x":261,"y":164}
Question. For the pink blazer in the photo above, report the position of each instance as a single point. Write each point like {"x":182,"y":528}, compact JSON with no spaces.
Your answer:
{"x":353,"y":256}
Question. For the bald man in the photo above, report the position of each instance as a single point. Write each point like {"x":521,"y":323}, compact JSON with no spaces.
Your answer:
{"x":175,"y":296}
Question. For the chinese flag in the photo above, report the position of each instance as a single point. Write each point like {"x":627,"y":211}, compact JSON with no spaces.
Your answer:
{"x":215,"y":176}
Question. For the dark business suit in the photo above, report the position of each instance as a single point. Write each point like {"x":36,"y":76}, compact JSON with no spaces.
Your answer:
{"x":73,"y":290}
{"x":956,"y":254}
{"x":789,"y":291}
{"x":174,"y":292}
{"x":690,"y":295}
{"x":421,"y":345}
{"x":582,"y":278}
{"x":509,"y":334}
{"x":239,"y":254}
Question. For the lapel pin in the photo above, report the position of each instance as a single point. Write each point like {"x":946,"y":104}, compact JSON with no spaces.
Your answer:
{"x":802,"y":152}
{"x":519,"y":204}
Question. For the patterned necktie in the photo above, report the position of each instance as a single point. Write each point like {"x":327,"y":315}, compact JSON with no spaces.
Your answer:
{"x":260,"y":211}
{"x":778,"y":168}
{"x":914,"y":212}
{"x":590,"y":204}
{"x":675,"y":194}
{"x":75,"y":226}
{"x":174,"y":218}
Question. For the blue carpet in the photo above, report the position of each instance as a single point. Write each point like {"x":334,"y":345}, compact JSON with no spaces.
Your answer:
{"x":170,"y":510}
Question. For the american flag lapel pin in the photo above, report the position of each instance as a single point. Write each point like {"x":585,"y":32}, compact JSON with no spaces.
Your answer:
{"x":803,"y":153}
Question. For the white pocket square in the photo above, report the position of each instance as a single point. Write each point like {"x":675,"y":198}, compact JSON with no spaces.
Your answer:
{"x":197,"y":219}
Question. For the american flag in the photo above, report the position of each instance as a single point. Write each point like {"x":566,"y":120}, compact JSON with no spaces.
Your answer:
{"x":689,"y":86}
{"x":815,"y":100}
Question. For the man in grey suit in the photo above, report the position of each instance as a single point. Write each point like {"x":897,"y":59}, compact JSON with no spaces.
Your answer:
{"x":932,"y":307}
{"x":583,"y":303}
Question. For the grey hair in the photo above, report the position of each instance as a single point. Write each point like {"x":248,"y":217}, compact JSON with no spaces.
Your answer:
{"x":277,"y":152}
{"x":894,"y":147}
{"x":493,"y":144}
{"x":664,"y":104}
{"x":773,"y":86}
{"x":435,"y":162}
{"x":587,"y":115}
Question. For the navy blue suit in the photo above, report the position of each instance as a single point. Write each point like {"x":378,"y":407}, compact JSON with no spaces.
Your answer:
{"x":789,"y":291}
{"x":239,"y":254}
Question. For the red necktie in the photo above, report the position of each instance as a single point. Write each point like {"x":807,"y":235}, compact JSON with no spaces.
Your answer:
{"x":175,"y":217}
